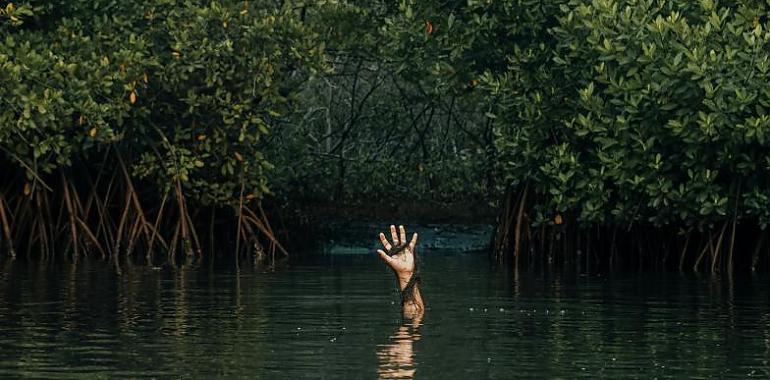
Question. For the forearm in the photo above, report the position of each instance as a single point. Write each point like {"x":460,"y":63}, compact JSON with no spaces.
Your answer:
{"x":401,"y":257}
{"x":413,"y":302}
{"x":417,"y":298}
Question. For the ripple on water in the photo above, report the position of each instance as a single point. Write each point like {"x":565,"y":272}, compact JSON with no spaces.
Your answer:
{"x":340,"y":319}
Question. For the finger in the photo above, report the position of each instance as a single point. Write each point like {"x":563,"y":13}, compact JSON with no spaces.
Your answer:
{"x":384,"y":242}
{"x":402,"y":235}
{"x":413,"y":243}
{"x":393,"y":235}
{"x":384,"y":256}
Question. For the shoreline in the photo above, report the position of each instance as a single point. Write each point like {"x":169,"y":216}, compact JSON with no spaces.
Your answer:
{"x":462,"y":212}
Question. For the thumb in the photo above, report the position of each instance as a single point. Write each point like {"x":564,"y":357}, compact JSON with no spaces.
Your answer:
{"x":384,"y":256}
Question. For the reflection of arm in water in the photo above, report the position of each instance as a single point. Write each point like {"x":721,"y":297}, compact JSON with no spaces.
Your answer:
{"x":401,"y":257}
{"x":397,"y":357}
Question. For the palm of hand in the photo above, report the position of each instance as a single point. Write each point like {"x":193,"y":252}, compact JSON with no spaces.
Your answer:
{"x":403,"y":263}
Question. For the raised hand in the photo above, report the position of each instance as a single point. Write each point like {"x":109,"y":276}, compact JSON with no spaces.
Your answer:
{"x":399,"y":254}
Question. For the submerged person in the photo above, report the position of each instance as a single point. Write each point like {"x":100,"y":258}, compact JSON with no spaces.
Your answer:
{"x":400,"y":256}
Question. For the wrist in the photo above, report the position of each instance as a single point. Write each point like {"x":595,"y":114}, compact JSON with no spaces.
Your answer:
{"x":403,"y":279}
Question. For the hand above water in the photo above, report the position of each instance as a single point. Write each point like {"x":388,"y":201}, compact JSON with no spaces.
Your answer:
{"x":403,"y":262}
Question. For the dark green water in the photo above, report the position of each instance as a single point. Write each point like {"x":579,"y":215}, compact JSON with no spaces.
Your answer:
{"x":337,"y":317}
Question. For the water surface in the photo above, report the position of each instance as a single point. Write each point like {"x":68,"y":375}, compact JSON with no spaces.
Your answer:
{"x":336,"y":316}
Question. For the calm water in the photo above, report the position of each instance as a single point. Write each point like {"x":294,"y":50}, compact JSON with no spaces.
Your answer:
{"x":337,"y":317}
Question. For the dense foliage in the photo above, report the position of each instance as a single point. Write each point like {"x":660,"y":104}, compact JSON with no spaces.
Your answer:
{"x":652,"y":111}
{"x":177,"y":95}
{"x":568,"y":115}
{"x":187,"y":91}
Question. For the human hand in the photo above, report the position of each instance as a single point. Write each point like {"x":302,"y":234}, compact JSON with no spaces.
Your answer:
{"x":403,"y":259}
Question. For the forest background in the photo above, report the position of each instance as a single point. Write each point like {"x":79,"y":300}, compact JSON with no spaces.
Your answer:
{"x":603,"y":133}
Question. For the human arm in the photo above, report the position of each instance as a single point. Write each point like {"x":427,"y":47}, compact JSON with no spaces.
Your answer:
{"x":401,"y":257}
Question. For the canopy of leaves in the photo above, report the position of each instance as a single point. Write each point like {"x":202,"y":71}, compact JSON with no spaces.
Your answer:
{"x":645,"y":111}
{"x":183,"y":91}
{"x":613,"y":111}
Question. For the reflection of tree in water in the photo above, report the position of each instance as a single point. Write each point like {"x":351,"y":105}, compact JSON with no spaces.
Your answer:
{"x":396,"y":358}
